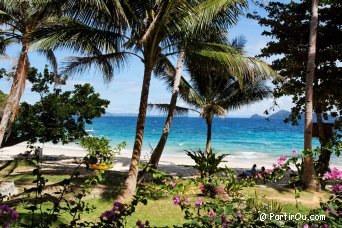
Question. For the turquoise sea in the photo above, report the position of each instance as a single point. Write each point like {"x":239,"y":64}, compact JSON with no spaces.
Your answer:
{"x":242,"y":136}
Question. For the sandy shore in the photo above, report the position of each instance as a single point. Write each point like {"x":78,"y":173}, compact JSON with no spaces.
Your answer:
{"x":169,"y":164}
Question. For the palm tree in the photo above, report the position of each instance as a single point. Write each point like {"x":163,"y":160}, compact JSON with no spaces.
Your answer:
{"x":239,"y":65}
{"x":149,"y":30}
{"x":20,"y":21}
{"x":213,"y":94}
{"x":309,"y":176}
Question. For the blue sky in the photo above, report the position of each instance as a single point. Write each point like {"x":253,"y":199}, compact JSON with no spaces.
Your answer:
{"x":124,"y":91}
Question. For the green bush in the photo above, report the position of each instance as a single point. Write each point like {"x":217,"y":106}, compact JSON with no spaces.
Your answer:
{"x":99,"y":150}
{"x":206,"y":163}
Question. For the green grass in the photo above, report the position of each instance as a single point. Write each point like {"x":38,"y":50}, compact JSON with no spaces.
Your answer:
{"x":159,"y":211}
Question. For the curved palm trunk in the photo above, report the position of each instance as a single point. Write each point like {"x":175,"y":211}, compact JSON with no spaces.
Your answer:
{"x":129,"y":188}
{"x":308,"y":176}
{"x":155,"y":157}
{"x":208,"y":144}
{"x":14,"y":97}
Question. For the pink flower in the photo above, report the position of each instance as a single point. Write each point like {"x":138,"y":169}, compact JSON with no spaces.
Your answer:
{"x":336,"y":188}
{"x":225,"y":195}
{"x":139,"y":224}
{"x":239,"y":214}
{"x":173,"y":184}
{"x":334,"y":174}
{"x":118,"y":206}
{"x":259,"y":176}
{"x":108,"y":214}
{"x":199,"y":202}
{"x":211,"y":213}
{"x":7,"y":211}
{"x":268,"y":171}
{"x":186,"y":201}
{"x":14,"y":215}
{"x":281,"y":161}
{"x":219,"y":190}
{"x":325,"y":226}
{"x":201,"y":186}
{"x":223,"y":219}
{"x":274,"y":165}
{"x":176,"y":200}
{"x":294,"y":152}
{"x":165,"y":181}
{"x":306,"y":226}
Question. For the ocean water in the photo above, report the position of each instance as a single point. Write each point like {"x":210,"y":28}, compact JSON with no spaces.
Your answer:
{"x":240,"y":137}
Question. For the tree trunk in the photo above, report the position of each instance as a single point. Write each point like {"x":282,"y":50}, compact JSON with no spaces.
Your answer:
{"x":13,"y":100}
{"x":208,"y":144}
{"x":155,"y":157}
{"x":129,"y":188}
{"x":324,"y":157}
{"x":308,"y":176}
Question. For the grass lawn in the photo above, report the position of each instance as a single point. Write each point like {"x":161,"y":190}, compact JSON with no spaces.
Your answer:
{"x":159,"y":211}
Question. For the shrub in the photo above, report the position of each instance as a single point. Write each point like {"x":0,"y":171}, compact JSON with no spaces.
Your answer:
{"x":99,"y":150}
{"x":206,"y":163}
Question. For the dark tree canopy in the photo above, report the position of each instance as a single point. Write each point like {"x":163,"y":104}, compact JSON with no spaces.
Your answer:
{"x":288,"y":25}
{"x":59,"y":116}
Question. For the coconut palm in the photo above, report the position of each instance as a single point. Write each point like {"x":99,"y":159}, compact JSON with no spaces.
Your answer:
{"x":149,"y":30}
{"x":20,"y":21}
{"x":213,"y":94}
{"x":229,"y":57}
{"x":309,"y":176}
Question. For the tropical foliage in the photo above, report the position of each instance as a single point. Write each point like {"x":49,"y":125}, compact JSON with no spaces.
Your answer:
{"x":58,"y":116}
{"x":21,"y":21}
{"x":151,"y":31}
{"x":99,"y":151}
{"x":289,"y":24}
{"x":207,"y":163}
{"x":230,"y":62}
{"x":104,"y":35}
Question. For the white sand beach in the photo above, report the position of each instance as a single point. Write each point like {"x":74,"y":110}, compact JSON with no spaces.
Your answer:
{"x":168,"y":163}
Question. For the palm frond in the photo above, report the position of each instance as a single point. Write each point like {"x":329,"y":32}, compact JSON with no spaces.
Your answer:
{"x":4,"y":43}
{"x":213,"y":109}
{"x":233,"y":64}
{"x":224,"y":13}
{"x":170,"y":20}
{"x":50,"y":56}
{"x":251,"y":93}
{"x":106,"y":63}
{"x":66,"y":33}
{"x":164,"y":108}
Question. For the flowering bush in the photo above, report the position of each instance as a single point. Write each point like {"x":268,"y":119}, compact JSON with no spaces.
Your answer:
{"x":140,"y":224}
{"x":224,"y":212}
{"x":335,"y":178}
{"x":332,"y":209}
{"x":334,"y":174}
{"x":116,"y":217}
{"x":8,"y":216}
{"x":210,"y":187}
{"x":227,"y":207}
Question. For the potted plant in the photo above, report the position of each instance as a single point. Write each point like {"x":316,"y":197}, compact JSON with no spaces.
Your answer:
{"x":100,"y":155}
